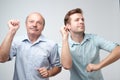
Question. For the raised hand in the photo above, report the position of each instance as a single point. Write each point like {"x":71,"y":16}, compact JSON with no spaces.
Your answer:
{"x":13,"y":25}
{"x":65,"y":32}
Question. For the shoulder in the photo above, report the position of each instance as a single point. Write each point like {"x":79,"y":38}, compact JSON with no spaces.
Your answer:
{"x":51,"y":42}
{"x":48,"y":42}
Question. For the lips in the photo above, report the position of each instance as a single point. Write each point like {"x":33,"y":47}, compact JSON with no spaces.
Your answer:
{"x":82,"y":26}
{"x":33,"y":29}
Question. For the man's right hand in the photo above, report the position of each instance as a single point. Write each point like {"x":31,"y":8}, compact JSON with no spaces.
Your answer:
{"x":65,"y":32}
{"x":13,"y":25}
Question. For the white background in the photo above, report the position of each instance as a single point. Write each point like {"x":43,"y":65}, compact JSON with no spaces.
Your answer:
{"x":101,"y":17}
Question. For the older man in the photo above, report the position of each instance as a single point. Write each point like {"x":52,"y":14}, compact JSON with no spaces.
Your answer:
{"x":36,"y":57}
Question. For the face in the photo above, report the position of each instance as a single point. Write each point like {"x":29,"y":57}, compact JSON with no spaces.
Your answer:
{"x":76,"y":24}
{"x":34,"y":24}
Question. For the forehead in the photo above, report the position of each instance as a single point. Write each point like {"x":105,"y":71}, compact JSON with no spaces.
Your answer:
{"x":76,"y":15}
{"x":34,"y":16}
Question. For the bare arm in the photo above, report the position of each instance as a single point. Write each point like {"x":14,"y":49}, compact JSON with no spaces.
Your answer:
{"x":66,"y":58}
{"x":54,"y":71}
{"x":5,"y":46}
{"x":49,"y":73}
{"x":112,"y":57}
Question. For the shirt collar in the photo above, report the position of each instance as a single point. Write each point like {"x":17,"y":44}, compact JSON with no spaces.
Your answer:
{"x":41,"y":38}
{"x":86,"y":38}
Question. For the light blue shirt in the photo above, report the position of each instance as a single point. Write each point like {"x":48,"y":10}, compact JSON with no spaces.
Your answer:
{"x":87,"y":52}
{"x":31,"y":56}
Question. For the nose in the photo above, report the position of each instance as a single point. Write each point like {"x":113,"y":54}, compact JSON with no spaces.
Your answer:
{"x":35,"y":24}
{"x":81,"y":21}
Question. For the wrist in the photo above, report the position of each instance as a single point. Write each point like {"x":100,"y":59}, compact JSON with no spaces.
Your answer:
{"x":12,"y":31}
{"x":99,"y":66}
{"x":64,"y":39}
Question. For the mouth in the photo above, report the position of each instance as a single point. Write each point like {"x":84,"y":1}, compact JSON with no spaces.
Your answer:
{"x":33,"y":29}
{"x":82,"y":26}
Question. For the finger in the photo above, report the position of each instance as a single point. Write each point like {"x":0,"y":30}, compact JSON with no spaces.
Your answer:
{"x":15,"y":22}
{"x":42,"y":70}
{"x":44,"y":73}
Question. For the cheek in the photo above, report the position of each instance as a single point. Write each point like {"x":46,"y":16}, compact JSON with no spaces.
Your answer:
{"x":27,"y":25}
{"x":41,"y":28}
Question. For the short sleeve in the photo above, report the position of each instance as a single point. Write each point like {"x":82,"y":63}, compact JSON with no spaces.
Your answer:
{"x":13,"y":50}
{"x":54,"y":56}
{"x":104,"y":44}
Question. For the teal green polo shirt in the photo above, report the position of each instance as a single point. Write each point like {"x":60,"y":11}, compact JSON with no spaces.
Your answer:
{"x":87,"y":52}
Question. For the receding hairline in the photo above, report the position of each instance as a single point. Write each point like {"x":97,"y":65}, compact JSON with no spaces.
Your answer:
{"x":37,"y":14}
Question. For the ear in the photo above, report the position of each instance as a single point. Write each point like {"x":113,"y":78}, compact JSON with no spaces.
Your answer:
{"x":68,"y":26}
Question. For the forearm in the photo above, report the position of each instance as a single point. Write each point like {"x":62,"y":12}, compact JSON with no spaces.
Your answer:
{"x":54,"y":71}
{"x":112,"y":57}
{"x":66,"y":58}
{"x":5,"y":46}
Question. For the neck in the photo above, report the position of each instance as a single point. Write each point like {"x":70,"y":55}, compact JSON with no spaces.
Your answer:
{"x":77,"y":37}
{"x":32,"y":37}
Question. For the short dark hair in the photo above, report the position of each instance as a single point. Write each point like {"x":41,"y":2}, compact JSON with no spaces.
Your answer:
{"x":73,"y":11}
